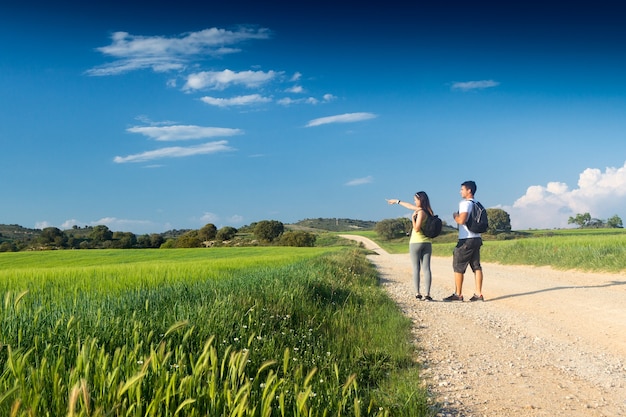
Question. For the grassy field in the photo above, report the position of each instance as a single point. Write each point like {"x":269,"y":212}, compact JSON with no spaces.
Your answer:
{"x":196,"y":332}
{"x":600,"y":250}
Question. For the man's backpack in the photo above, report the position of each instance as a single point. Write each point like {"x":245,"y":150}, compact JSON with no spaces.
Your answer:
{"x":477,"y":220}
{"x":432,"y":226}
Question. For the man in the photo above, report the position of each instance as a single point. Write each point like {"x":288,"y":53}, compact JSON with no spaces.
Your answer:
{"x":467,"y":250}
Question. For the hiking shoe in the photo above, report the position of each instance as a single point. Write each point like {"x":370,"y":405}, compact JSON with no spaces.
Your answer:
{"x":418,"y":296}
{"x":428,"y":298}
{"x":454,"y":297}
{"x":477,"y":298}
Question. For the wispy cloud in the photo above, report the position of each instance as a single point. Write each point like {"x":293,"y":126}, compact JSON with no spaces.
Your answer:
{"x":220,"y":80}
{"x":474,"y":85}
{"x":175,"y":152}
{"x":161,"y":54}
{"x":183,"y":132}
{"x":360,"y":181}
{"x":341,"y":118}
{"x":236,"y":101}
{"x":601,"y":194}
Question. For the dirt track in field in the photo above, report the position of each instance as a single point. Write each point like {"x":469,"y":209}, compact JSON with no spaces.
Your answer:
{"x":544,"y":342}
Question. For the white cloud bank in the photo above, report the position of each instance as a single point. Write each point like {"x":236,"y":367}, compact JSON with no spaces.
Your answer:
{"x":474,"y":85}
{"x":220,"y":80}
{"x":175,"y":152}
{"x":601,"y":194}
{"x":162,"y":54}
{"x":341,"y":118}
{"x":183,"y":132}
{"x":360,"y":181}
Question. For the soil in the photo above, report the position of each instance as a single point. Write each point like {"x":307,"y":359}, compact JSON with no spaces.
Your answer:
{"x":544,"y":342}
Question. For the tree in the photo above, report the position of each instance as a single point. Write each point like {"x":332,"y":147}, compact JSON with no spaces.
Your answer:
{"x":124,"y":240}
{"x":226,"y":233}
{"x":268,"y":230}
{"x":53,"y":236}
{"x":100,"y":234}
{"x":581,"y":219}
{"x":614,"y":222}
{"x":190,"y":239}
{"x":499,"y":221}
{"x":207,"y":232}
{"x":393,"y":228}
{"x":298,"y":238}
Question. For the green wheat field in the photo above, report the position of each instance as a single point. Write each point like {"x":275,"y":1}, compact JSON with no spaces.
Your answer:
{"x":263,"y":331}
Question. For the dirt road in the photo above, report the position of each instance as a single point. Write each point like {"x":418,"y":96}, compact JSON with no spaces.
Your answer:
{"x":544,"y":342}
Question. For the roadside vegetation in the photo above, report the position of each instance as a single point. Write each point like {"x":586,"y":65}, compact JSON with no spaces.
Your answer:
{"x":255,"y":331}
{"x":585,"y":249}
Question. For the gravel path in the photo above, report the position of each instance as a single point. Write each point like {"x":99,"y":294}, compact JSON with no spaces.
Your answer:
{"x":544,"y":342}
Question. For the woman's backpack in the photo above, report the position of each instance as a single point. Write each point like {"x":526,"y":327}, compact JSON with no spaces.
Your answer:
{"x":432,"y":226}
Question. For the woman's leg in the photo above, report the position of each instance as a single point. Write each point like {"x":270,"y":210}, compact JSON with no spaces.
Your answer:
{"x":414,"y":253}
{"x":427,"y":251}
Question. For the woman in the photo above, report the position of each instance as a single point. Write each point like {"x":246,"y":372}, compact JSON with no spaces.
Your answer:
{"x":420,"y":246}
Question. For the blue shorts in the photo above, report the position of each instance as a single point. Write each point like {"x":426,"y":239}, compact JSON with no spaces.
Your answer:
{"x":467,"y":252}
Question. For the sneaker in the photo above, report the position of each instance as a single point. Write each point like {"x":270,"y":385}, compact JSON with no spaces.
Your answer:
{"x":477,"y":298}
{"x":418,"y":296}
{"x":454,"y":297}
{"x":428,"y":298}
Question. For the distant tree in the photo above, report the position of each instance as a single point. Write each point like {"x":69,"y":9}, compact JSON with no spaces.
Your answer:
{"x":298,"y":238}
{"x":8,"y":247}
{"x":226,"y":233}
{"x":393,"y":228}
{"x":53,"y":236}
{"x":581,"y":219}
{"x":207,"y":232}
{"x":499,"y":221}
{"x":124,"y":240}
{"x":100,"y":234}
{"x":190,"y":239}
{"x":268,"y":230}
{"x":614,"y":222}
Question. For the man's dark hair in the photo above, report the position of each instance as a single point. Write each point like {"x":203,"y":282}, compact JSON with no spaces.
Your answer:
{"x":470,"y":185}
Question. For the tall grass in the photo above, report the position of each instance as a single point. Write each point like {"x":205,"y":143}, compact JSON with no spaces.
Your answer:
{"x":255,"y":332}
{"x":601,"y":250}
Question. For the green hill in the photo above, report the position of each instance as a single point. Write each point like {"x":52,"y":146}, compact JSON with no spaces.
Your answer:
{"x":332,"y":224}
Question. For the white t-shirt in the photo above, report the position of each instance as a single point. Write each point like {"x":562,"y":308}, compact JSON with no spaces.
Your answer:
{"x":465,"y":206}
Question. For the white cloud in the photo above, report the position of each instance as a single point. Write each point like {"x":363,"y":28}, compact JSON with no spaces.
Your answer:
{"x":329,"y":97}
{"x":236,"y":219}
{"x":236,"y":101}
{"x":123,"y":225}
{"x":175,"y":152}
{"x":296,"y":89}
{"x":219,"y":80}
{"x":360,"y":181}
{"x":209,"y":218}
{"x":160,"y":53}
{"x":341,"y":118}
{"x":42,"y":225}
{"x":183,"y":132}
{"x":601,"y":194}
{"x":296,"y":77}
{"x":474,"y":85}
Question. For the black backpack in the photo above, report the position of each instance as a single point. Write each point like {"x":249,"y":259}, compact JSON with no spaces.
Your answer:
{"x":432,"y":226}
{"x":477,"y":220}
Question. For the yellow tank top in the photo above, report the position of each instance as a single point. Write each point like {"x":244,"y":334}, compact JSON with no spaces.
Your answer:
{"x":419,"y":237}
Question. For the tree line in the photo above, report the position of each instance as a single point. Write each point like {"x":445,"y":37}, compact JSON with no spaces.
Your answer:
{"x":584,"y":220}
{"x":265,"y":232}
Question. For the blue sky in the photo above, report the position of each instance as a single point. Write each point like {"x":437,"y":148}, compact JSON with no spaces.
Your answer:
{"x":170,"y":115}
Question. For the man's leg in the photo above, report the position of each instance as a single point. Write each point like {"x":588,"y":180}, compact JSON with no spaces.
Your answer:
{"x":458,"y":283}
{"x":478,"y":275}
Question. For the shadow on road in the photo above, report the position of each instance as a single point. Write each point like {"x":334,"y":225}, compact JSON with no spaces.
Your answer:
{"x":570,"y":287}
